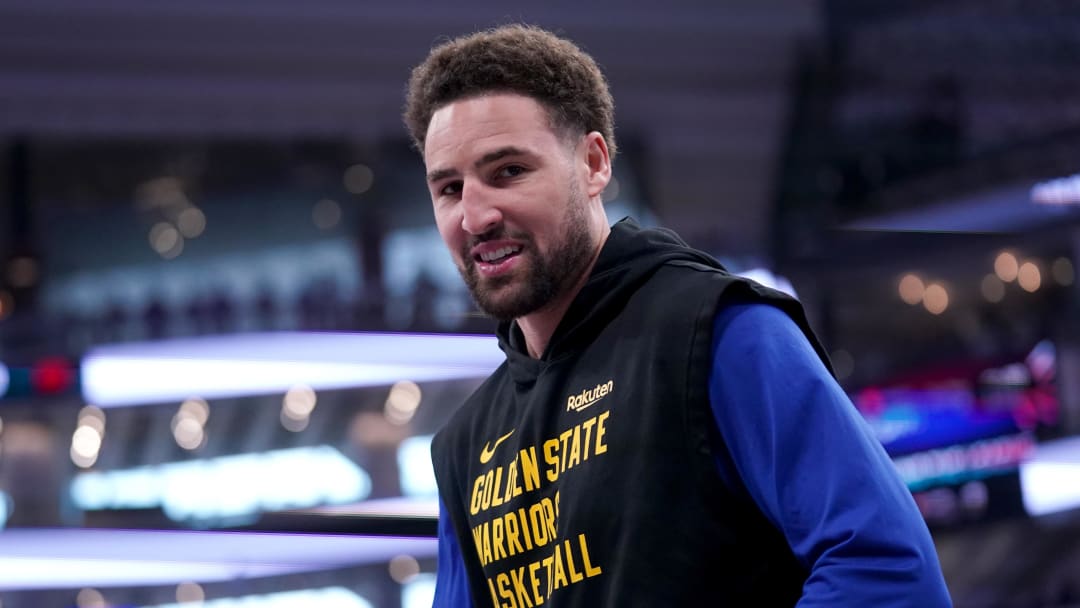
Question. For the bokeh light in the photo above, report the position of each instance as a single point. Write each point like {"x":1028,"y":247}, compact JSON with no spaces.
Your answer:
{"x":296,"y":407}
{"x":187,"y":425}
{"x":1029,"y":276}
{"x":85,"y":441}
{"x":1062,"y":271}
{"x":358,"y":179}
{"x":195,"y":408}
{"x":85,"y":446}
{"x":90,"y":598}
{"x":936,"y":298}
{"x":188,"y":433}
{"x":299,"y":401}
{"x":82,"y":461}
{"x":166,"y":240}
{"x":326,"y":214}
{"x":912,"y":289}
{"x":402,"y":402}
{"x":403,"y":568}
{"x":190,"y":593}
{"x":191,"y":222}
{"x":292,"y":424}
{"x":993,"y":289}
{"x":88,"y":436}
{"x":93,"y":417}
{"x":1006,"y":266}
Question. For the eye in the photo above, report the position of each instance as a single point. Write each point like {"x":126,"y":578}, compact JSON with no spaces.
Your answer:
{"x":510,"y":171}
{"x":450,"y":189}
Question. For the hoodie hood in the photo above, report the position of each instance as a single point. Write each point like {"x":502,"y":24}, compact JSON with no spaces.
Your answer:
{"x":628,"y":258}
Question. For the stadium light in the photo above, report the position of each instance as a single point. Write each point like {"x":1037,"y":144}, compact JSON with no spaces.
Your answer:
{"x":255,"y":364}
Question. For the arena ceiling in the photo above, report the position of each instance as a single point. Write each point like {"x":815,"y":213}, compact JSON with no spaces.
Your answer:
{"x":703,"y":85}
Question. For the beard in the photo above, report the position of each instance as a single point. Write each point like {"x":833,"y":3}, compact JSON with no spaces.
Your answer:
{"x":544,"y":276}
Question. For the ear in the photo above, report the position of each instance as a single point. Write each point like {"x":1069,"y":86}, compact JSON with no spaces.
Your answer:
{"x":597,"y":164}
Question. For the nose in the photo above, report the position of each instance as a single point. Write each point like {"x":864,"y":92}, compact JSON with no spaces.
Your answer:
{"x":480,"y":213}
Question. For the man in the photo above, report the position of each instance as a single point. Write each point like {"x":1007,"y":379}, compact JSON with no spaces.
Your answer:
{"x":661,"y":433}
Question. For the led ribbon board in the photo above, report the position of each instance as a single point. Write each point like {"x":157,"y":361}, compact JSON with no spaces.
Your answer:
{"x":255,"y":364}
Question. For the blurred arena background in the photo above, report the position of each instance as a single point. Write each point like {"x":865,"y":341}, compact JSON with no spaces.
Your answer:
{"x":228,"y":326}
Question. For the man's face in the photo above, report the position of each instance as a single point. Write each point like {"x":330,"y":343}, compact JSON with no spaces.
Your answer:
{"x":508,"y":202}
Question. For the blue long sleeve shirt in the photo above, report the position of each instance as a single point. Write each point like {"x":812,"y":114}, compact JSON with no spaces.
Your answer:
{"x":797,"y":447}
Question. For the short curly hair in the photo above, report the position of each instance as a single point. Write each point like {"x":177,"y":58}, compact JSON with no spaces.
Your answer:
{"x":519,"y":59}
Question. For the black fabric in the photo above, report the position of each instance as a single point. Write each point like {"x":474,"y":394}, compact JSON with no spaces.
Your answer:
{"x":588,"y":477}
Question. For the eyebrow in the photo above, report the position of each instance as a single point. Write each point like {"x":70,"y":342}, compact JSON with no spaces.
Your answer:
{"x":490,"y":157}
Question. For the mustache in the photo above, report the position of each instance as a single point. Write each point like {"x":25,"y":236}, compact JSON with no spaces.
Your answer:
{"x":490,"y":235}
{"x":493,"y":235}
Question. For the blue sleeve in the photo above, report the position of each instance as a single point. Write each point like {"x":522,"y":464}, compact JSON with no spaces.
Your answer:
{"x":800,"y":449}
{"x":451,"y":582}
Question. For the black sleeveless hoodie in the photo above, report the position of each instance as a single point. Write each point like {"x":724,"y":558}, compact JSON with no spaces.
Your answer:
{"x":588,"y":477}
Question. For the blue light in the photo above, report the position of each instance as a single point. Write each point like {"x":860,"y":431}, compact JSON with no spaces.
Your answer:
{"x":414,"y":463}
{"x":230,"y":486}
{"x":5,"y":508}
{"x":1061,"y":191}
{"x":959,"y":463}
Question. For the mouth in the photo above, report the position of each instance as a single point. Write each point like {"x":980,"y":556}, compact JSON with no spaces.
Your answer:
{"x":497,"y":255}
{"x":492,"y":259}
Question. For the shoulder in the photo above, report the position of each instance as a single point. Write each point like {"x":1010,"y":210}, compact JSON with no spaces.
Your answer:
{"x":758,"y":333}
{"x":759,"y":317}
{"x":733,"y":289}
{"x":688,"y":289}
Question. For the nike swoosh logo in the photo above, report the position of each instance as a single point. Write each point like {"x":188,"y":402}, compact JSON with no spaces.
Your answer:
{"x":489,"y":450}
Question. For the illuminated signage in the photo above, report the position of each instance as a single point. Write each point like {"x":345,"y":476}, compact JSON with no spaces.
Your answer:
{"x":963,"y":406}
{"x":960,"y":463}
{"x":908,"y":420}
{"x":230,"y":486}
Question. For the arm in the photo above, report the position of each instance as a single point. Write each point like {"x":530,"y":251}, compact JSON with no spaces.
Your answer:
{"x":451,"y":582}
{"x":807,"y":459}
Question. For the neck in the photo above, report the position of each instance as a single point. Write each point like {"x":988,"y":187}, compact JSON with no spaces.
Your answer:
{"x":538,"y":326}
